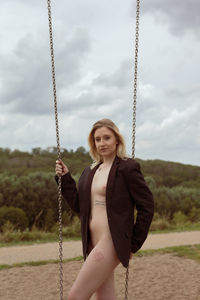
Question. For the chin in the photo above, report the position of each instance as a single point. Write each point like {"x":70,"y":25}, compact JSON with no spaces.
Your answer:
{"x":109,"y":154}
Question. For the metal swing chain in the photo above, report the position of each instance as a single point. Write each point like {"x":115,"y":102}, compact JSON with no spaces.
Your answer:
{"x":134,"y":109}
{"x":58,"y":142}
{"x":58,"y":151}
{"x":135,"y":75}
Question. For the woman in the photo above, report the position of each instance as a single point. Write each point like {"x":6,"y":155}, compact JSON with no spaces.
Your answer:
{"x":105,"y":199}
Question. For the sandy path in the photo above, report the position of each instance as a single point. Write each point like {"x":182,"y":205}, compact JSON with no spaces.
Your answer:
{"x":156,"y":277}
{"x":17,"y":254}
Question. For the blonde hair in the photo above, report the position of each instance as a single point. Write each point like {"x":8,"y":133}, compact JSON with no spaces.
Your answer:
{"x":121,"y":148}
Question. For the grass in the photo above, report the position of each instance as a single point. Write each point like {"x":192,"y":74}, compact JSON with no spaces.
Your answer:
{"x":11,"y":237}
{"x":18,"y":239}
{"x":178,"y":228}
{"x":39,"y":241}
{"x":39,"y":263}
{"x":15,"y":238}
{"x":190,"y":251}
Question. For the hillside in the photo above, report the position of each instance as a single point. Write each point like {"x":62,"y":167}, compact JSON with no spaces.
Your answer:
{"x":43,"y":160}
{"x":28,"y":192}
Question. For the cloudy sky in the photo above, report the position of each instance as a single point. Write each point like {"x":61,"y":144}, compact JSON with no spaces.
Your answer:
{"x":94,"y":57}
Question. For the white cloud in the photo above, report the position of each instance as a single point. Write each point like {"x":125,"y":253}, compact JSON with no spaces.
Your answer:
{"x":181,"y":17}
{"x":94,"y":47}
{"x":25,"y":73}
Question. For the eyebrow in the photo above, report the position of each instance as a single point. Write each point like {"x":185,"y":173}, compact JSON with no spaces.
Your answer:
{"x":103,"y":135}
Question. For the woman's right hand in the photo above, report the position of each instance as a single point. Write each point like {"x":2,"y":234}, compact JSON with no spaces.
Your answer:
{"x":61,"y":169}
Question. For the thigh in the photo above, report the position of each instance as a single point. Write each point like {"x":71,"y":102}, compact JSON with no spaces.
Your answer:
{"x":98,"y":266}
{"x":107,"y":289}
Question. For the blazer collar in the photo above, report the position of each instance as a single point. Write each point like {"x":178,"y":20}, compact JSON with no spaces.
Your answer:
{"x":110,"y":182}
{"x":111,"y":179}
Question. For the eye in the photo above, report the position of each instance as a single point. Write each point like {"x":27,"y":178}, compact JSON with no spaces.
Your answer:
{"x":97,"y":139}
{"x":107,"y":137}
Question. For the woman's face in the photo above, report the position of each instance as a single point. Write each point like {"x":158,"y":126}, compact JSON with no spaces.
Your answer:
{"x":105,"y":142}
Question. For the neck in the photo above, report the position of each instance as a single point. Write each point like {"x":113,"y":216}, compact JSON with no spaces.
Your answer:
{"x":108,"y":160}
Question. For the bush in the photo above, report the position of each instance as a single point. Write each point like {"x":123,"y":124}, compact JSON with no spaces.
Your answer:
{"x":49,"y":219}
{"x":159,"y":223}
{"x":169,"y":201}
{"x":74,"y":230}
{"x":71,"y":230}
{"x":150,"y":182}
{"x":7,"y":227}
{"x":194,"y":214}
{"x":16,"y":216}
{"x":179,"y":218}
{"x":9,"y":235}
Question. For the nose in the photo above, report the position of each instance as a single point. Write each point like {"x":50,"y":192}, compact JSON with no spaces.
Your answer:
{"x":102,"y":142}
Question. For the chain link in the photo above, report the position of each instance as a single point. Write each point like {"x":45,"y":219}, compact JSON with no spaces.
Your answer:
{"x":58,"y":141}
{"x":135,"y":75}
{"x":134,"y":110}
{"x":58,"y":150}
{"x":126,"y":283}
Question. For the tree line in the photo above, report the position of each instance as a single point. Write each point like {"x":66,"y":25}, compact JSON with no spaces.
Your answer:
{"x":28,"y":191}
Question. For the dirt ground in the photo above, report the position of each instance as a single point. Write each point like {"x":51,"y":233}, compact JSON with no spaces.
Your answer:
{"x":156,"y":277}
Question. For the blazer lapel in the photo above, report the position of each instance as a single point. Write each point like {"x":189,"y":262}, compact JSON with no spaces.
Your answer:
{"x":110,"y":183}
{"x":88,"y":186}
{"x":111,"y":180}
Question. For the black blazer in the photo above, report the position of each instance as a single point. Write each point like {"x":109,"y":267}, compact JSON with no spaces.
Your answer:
{"x":126,"y":189}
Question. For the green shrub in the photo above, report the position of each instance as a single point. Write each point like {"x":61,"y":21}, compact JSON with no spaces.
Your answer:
{"x":7,"y":227}
{"x":14,"y":215}
{"x":49,"y":219}
{"x":9,"y":236}
{"x":150,"y":182}
{"x":194,"y":214}
{"x":74,"y":230}
{"x":1,"y":199}
{"x":179,"y":218}
{"x":159,"y":223}
{"x":66,"y":218}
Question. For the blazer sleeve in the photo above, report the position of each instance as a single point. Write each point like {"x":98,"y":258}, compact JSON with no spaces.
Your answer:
{"x":143,"y":200}
{"x":69,"y":191}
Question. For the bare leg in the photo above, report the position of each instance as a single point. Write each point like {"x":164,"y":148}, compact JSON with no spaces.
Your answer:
{"x":107,"y":289}
{"x":96,"y":269}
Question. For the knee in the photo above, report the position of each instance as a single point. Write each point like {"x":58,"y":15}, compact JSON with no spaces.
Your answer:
{"x":74,"y":295}
{"x":103,"y":297}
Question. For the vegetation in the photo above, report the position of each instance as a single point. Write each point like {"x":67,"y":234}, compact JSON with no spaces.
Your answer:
{"x":39,"y":263}
{"x":23,"y":163}
{"x":192,"y":252}
{"x":15,"y":216}
{"x":11,"y":236}
{"x":188,"y":251}
{"x":28,"y":193}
